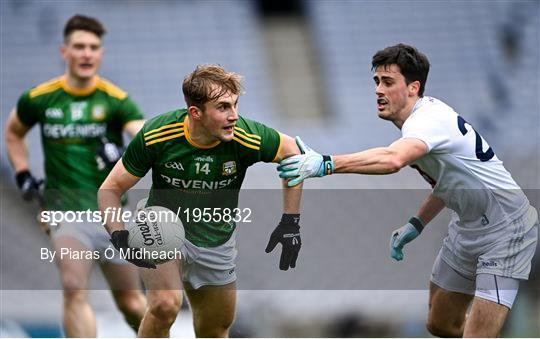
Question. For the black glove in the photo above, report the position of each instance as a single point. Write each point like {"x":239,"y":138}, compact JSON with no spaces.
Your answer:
{"x":119,"y":240}
{"x":288,"y":234}
{"x":108,"y":154}
{"x":28,"y":185}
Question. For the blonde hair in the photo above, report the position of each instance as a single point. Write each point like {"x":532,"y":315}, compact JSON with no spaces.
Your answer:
{"x":199,"y":86}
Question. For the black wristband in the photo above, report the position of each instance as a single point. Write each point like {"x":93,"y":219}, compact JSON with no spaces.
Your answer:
{"x":417,"y":223}
{"x":328,"y":165}
{"x":21,"y":177}
{"x":290,"y":219}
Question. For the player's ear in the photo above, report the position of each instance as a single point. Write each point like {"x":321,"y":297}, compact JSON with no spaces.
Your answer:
{"x":63,"y":48}
{"x":414,"y":88}
{"x":195,"y":112}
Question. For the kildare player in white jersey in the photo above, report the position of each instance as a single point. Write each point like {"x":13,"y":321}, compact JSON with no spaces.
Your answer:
{"x":493,"y":232}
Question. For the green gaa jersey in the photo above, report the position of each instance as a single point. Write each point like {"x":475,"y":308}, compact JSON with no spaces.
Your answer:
{"x":188,"y":176}
{"x":72,"y":123}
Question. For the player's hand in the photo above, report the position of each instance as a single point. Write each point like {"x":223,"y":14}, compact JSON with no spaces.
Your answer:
{"x":288,"y":234}
{"x":119,"y":240}
{"x":28,"y":185}
{"x":108,"y":154}
{"x":309,"y":164}
{"x":403,"y":236}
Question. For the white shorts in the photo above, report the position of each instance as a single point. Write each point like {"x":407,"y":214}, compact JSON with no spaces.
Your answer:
{"x":504,"y":252}
{"x":92,"y":235}
{"x":501,"y":290}
{"x":214,"y":266}
{"x":488,"y":265}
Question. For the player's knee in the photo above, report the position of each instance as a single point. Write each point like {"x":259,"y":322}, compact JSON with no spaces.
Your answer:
{"x":165,"y":309}
{"x":72,"y":282}
{"x":74,"y":297}
{"x":444,"y":330}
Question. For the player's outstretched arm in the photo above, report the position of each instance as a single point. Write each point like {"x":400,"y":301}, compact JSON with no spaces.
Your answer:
{"x":412,"y":229}
{"x":288,"y":230}
{"x":380,"y":160}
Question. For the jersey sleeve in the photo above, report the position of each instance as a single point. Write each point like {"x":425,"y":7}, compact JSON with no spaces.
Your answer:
{"x":128,"y":111}
{"x":261,"y":143}
{"x":430,"y":128}
{"x":26,"y":111}
{"x":137,"y":158}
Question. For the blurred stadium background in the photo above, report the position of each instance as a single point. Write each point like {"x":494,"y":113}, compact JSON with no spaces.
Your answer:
{"x":307,"y":72}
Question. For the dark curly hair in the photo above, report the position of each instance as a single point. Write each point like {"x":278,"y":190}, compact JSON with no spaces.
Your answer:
{"x":413,"y":64}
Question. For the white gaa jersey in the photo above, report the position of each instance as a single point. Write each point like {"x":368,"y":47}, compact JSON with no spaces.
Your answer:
{"x":462,"y":169}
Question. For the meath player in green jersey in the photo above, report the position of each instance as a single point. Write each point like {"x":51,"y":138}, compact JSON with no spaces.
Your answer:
{"x":199,"y":157}
{"x":81,"y":117}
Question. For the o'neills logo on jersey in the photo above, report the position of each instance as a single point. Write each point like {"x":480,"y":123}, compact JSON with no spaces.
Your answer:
{"x":207,"y":158}
{"x":197,"y":184}
{"x":229,"y":168}
{"x":59,"y":131}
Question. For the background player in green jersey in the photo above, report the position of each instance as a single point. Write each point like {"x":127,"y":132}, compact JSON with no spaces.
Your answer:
{"x":199,"y":157}
{"x":82,"y":118}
